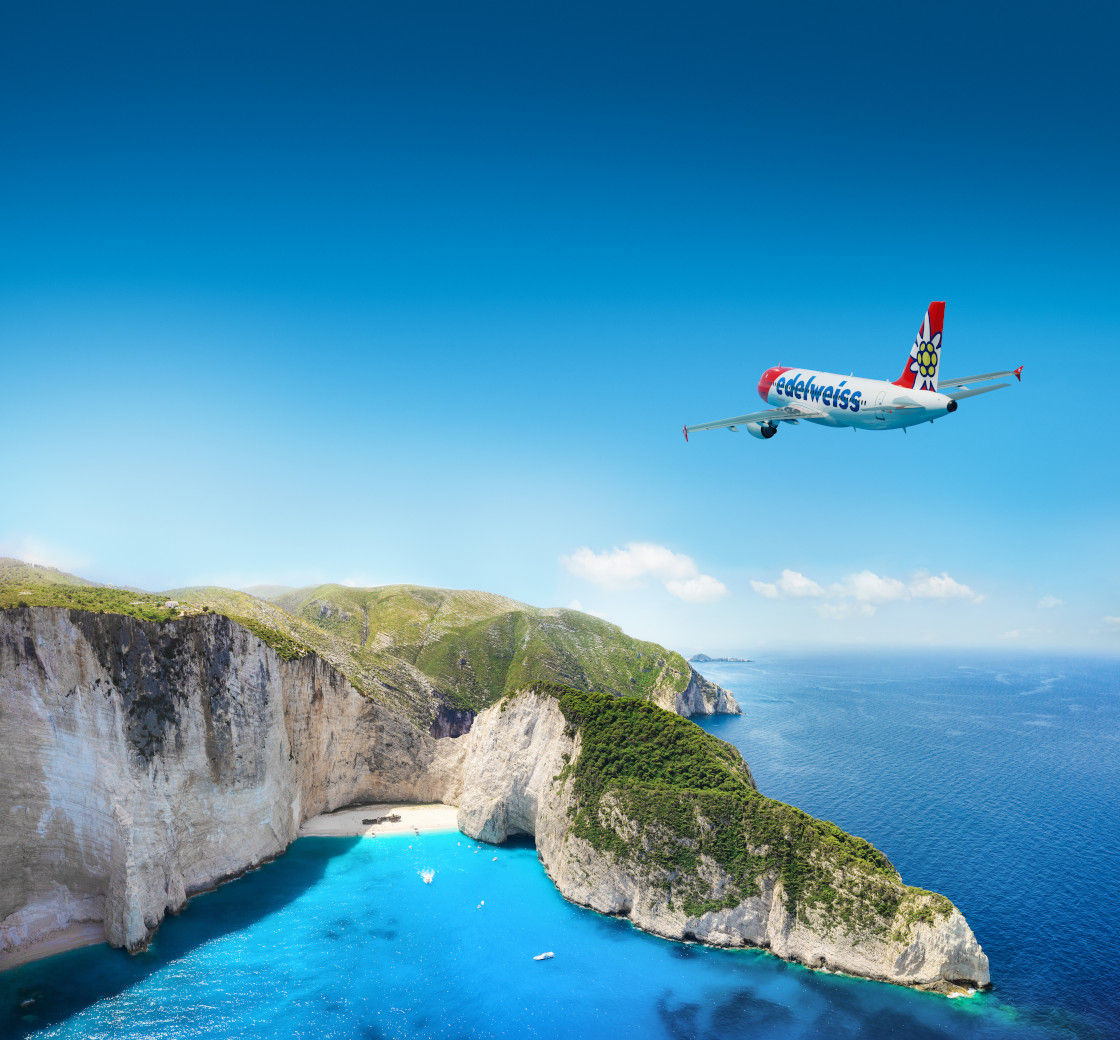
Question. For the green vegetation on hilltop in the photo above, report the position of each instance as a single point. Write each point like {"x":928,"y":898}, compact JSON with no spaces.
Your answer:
{"x":326,"y":631}
{"x":414,"y":649}
{"x":26,"y":585}
{"x":656,"y":791}
{"x":285,"y":646}
{"x":269,"y":624}
{"x":477,"y":647}
{"x":99,"y":598}
{"x":13,"y":572}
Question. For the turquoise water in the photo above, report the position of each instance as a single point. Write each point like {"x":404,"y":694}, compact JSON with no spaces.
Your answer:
{"x":952,"y":776}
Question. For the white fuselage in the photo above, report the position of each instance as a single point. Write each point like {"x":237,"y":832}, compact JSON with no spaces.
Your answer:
{"x":851,"y":401}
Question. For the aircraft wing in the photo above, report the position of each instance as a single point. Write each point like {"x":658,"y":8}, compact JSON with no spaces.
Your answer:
{"x":788,"y":413}
{"x":950,"y":384}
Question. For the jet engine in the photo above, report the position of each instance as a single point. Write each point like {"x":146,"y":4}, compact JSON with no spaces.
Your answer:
{"x":763,"y":431}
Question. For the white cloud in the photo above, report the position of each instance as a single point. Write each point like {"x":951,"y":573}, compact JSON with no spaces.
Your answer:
{"x":575,"y":605}
{"x":791,"y":583}
{"x":1049,"y":603}
{"x":1112,"y":622}
{"x":629,"y":567}
{"x":639,"y":562}
{"x":860,"y":593}
{"x":701,"y":589}
{"x":1013,"y":633}
{"x":940,"y":586}
{"x":794,"y":584}
{"x":868,"y":587}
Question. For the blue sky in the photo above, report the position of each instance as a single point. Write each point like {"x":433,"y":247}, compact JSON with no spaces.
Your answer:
{"x":385,"y":293}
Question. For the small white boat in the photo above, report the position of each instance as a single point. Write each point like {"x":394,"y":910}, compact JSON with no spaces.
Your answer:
{"x":544,"y":956}
{"x":427,"y":875}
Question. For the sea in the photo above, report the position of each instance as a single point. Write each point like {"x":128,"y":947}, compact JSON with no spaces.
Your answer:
{"x":992,"y":780}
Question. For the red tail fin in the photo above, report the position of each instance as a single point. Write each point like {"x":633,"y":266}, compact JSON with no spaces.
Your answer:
{"x":921,"y":368}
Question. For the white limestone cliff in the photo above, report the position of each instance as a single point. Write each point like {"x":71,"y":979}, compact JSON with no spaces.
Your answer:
{"x":141,"y":763}
{"x":515,"y":782}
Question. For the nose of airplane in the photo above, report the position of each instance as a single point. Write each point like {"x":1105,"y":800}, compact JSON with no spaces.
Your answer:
{"x":767,"y":380}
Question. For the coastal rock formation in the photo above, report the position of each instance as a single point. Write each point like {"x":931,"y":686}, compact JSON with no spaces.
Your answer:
{"x":143,"y":762}
{"x":433,"y":657}
{"x":701,"y":697}
{"x":664,"y":860}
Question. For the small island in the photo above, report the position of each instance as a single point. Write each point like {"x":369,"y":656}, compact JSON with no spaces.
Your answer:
{"x":705,"y":659}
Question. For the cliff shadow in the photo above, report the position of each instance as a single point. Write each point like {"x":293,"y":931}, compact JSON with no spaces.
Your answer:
{"x":41,"y":994}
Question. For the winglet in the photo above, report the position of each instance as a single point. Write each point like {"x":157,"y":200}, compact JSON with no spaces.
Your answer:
{"x":1019,"y":373}
{"x":684,"y":430}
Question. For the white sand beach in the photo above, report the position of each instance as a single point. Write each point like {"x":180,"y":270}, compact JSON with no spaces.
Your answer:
{"x":413,"y":818}
{"x":344,"y":823}
{"x":73,"y":937}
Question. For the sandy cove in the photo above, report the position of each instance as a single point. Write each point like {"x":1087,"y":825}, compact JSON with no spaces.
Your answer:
{"x":413,"y":819}
{"x":342,"y":823}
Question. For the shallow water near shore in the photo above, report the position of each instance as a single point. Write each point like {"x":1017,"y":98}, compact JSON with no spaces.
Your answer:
{"x":950,"y":774}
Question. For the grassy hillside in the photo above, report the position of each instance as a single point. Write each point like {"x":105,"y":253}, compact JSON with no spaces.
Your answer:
{"x":377,"y":674}
{"x":656,"y":791}
{"x":16,"y":572}
{"x":414,"y":649}
{"x":476,"y":647}
{"x":27,"y":584}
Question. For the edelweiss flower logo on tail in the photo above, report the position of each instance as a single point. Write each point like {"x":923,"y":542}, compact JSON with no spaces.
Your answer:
{"x":920,"y":372}
{"x":924,"y":363}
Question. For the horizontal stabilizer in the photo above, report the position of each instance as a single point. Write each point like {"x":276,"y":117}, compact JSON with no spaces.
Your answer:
{"x":960,"y":395}
{"x":949,"y":384}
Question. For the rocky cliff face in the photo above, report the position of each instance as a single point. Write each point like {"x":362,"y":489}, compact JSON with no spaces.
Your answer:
{"x":517,"y":779}
{"x":142,"y":762}
{"x":702,"y":697}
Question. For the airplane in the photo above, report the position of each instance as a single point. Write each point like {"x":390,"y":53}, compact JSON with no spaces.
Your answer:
{"x":916,"y":396}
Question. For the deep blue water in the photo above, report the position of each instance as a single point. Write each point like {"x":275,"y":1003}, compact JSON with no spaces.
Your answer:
{"x":994,"y":783}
